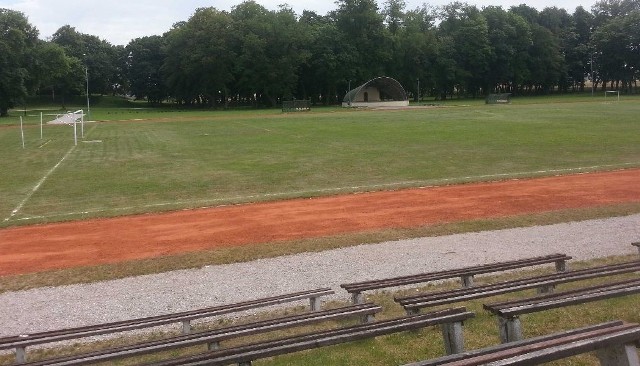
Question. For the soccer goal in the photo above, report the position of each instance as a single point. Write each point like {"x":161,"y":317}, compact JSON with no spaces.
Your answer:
{"x":296,"y":105}
{"x":499,"y":98}
{"x":612,"y":94}
{"x":71,"y":119}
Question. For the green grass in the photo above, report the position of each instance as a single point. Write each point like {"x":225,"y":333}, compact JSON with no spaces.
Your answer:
{"x":174,"y":159}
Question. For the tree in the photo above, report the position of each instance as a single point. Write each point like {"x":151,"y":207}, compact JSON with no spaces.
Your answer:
{"x":51,"y":67}
{"x":176,"y":77}
{"x":545,"y":60}
{"x":145,"y":57}
{"x":364,"y":37}
{"x":98,"y":56}
{"x":323,"y":71}
{"x":607,"y":9}
{"x":510,"y":38}
{"x":579,"y":57}
{"x":270,"y":48}
{"x":415,"y":52}
{"x":467,"y":29}
{"x":199,"y":62}
{"x":616,"y":42}
{"x":618,"y":48}
{"x":394,"y":15}
{"x":18,"y":40}
{"x":530,"y":14}
{"x":560,"y":23}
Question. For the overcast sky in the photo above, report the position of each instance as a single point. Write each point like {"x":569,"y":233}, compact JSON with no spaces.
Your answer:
{"x":119,"y":21}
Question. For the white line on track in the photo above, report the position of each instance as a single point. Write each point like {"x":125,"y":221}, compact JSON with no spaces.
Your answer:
{"x":363,"y":188}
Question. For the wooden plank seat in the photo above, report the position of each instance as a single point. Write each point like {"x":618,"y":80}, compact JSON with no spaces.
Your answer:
{"x":546,"y":283}
{"x":509,"y":312}
{"x":213,"y":337}
{"x":615,"y":343}
{"x":466,"y":274}
{"x":20,"y":342}
{"x":449,"y":319}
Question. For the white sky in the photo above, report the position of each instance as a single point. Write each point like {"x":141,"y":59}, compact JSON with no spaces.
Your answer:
{"x":120,"y":21}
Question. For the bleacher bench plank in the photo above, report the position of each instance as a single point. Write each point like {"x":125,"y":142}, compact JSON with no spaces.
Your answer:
{"x":244,"y":355}
{"x":508,"y":312}
{"x":20,"y":342}
{"x":615,"y":342}
{"x":466,"y":274}
{"x":213,"y":337}
{"x":413,"y":304}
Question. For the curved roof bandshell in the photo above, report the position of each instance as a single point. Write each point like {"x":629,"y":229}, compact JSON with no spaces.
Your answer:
{"x":390,"y":87}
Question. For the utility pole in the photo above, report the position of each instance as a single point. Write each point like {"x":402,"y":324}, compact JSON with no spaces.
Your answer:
{"x":593,"y":79}
{"x":86,"y":76}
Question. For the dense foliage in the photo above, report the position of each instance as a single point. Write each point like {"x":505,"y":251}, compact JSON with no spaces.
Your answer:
{"x":255,"y":56}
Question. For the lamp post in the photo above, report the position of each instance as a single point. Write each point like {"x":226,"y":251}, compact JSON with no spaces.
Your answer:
{"x":592,"y":78}
{"x":591,"y":61}
{"x":349,"y":92}
{"x":86,"y":76}
{"x":418,"y":93}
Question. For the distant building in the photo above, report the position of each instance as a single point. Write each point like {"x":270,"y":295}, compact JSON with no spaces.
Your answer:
{"x":379,"y":92}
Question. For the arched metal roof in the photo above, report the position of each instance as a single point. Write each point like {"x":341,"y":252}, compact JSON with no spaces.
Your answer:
{"x":390,"y":87}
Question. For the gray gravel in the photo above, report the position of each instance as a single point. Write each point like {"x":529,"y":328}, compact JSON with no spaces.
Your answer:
{"x":77,"y":305}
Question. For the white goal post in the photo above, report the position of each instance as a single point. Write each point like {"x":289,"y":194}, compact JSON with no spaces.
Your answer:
{"x":71,"y":119}
{"x":613,"y":92}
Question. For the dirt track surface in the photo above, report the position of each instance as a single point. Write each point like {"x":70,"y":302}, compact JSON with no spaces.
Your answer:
{"x":99,"y":241}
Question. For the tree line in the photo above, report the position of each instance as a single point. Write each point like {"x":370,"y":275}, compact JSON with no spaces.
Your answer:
{"x":255,"y":56}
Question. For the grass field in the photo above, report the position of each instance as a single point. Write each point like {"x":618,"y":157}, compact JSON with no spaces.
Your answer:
{"x":141,"y":160}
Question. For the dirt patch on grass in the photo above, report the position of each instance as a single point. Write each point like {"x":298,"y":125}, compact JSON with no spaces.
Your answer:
{"x":102,"y":241}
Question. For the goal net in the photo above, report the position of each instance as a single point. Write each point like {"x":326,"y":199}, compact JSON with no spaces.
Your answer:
{"x":499,"y":98}
{"x":296,"y":105}
{"x":71,"y":119}
{"x":611,"y":95}
{"x":68,"y":118}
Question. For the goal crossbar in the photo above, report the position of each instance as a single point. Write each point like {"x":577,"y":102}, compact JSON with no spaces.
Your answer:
{"x":616,"y":92}
{"x":67,"y":118}
{"x":71,"y":119}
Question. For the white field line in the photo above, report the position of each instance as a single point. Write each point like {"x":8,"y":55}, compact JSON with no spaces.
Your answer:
{"x":43,"y":179}
{"x":37,"y":186}
{"x":207,"y":203}
{"x":252,"y":126}
{"x":41,"y":146}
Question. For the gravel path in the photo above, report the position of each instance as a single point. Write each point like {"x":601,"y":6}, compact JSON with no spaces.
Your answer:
{"x":76,"y":305}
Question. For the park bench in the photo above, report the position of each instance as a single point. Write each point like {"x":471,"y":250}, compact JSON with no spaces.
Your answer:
{"x":21,"y":342}
{"x":466,"y":274}
{"x":615,"y":343}
{"x":546,"y":283}
{"x":212,"y":338}
{"x":450,"y":320}
{"x":509,"y":312}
